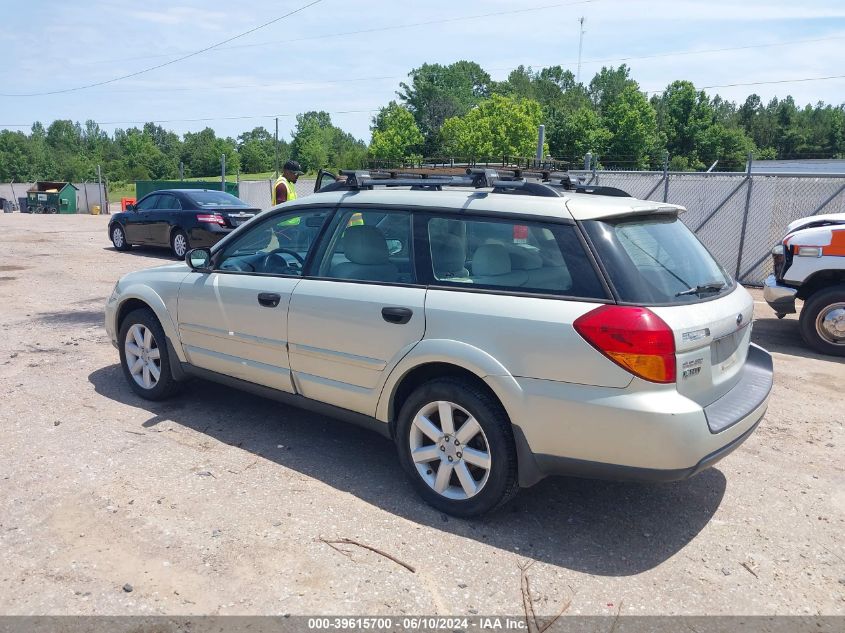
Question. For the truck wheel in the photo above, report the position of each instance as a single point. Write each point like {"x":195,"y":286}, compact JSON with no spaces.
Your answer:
{"x":823,"y":321}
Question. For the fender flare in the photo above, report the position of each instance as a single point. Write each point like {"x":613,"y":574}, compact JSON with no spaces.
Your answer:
{"x":151,"y":298}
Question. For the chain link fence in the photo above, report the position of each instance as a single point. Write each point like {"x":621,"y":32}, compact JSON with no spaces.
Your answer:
{"x":258,"y":193}
{"x":739,"y":216}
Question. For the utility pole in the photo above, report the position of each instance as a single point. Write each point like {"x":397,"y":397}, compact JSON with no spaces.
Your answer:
{"x":580,"y":48}
{"x":277,"y":148}
{"x":223,"y":172}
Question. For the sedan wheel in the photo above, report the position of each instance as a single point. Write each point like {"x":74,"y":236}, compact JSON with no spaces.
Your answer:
{"x":118,"y":238}
{"x":179,"y":244}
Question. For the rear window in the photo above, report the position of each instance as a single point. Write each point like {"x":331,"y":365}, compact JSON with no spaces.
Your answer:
{"x":512,"y":256}
{"x":211,"y":199}
{"x":657,"y":260}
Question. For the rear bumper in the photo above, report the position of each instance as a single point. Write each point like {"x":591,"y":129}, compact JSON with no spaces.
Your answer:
{"x":651,"y":435}
{"x":779,"y":297}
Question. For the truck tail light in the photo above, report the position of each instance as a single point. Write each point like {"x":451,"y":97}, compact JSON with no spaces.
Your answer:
{"x":212,"y":218}
{"x":634,"y":338}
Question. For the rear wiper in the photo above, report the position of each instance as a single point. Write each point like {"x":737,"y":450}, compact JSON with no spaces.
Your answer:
{"x":715,"y":286}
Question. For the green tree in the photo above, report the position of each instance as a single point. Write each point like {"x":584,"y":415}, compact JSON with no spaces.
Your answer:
{"x":497,"y":127}
{"x":573,"y":134}
{"x":202,"y":151}
{"x":607,"y":86}
{"x":396,"y":136}
{"x":436,"y":93}
{"x":632,"y":124}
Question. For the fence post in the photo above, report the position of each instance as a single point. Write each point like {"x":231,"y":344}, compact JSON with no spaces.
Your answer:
{"x":745,"y":215}
{"x":223,"y":172}
{"x":85,"y":189}
{"x":588,"y":160}
{"x":665,"y":176}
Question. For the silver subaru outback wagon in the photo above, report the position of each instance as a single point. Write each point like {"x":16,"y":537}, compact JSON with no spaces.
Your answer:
{"x":498,"y":331}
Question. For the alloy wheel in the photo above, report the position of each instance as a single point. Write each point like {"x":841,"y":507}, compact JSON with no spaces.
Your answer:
{"x":450,"y":450}
{"x":143,"y":357}
{"x":180,"y":245}
{"x":117,"y":237}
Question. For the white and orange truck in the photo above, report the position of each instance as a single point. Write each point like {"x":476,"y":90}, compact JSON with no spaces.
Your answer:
{"x":809,"y":264}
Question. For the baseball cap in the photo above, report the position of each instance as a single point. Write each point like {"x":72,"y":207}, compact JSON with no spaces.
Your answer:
{"x":293,"y":166}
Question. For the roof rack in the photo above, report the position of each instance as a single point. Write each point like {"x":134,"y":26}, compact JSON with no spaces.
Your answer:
{"x":543,"y":183}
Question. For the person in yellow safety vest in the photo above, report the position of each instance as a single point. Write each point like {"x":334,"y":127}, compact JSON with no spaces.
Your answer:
{"x":284,"y":189}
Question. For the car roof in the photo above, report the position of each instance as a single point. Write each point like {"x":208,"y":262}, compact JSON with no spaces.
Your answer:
{"x":571,"y":206}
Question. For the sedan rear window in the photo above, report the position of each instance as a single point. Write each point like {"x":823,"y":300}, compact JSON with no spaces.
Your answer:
{"x":656,"y":260}
{"x":212,"y":199}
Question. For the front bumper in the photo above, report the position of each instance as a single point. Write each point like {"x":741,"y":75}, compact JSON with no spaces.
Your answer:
{"x":780,"y":298}
{"x":652,"y":434}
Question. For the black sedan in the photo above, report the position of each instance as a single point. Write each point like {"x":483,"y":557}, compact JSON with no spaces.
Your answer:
{"x":180,"y":219}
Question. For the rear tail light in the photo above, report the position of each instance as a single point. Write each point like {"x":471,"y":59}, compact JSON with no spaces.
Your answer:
{"x":634,"y":338}
{"x":212,"y":218}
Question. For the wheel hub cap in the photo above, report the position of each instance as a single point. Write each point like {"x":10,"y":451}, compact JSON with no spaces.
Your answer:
{"x":831,"y":324}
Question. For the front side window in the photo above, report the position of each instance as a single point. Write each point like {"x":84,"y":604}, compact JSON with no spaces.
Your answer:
{"x":147,"y":203}
{"x":540,"y":258}
{"x":277,"y":245}
{"x":657,"y":260}
{"x":369,"y":245}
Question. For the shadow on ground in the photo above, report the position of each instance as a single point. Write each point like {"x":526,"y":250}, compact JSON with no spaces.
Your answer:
{"x":597,"y":527}
{"x":151,"y":252}
{"x":783,"y":336}
{"x":73,"y":317}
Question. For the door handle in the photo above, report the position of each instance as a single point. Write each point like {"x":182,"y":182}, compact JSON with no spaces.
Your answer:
{"x":400,"y":316}
{"x":269,"y":299}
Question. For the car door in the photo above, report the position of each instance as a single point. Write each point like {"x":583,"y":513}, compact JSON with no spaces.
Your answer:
{"x":163,"y":218}
{"x":137,"y":221}
{"x":234,"y":320}
{"x":359,"y":312}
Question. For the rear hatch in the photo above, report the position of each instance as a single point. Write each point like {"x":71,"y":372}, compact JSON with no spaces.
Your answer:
{"x":654,"y":261}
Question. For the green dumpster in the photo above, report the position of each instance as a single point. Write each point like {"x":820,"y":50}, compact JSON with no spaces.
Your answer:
{"x":52,"y":197}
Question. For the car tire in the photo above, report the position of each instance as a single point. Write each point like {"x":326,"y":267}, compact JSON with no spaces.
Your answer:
{"x":425,"y":450}
{"x":118,"y":238}
{"x":179,"y":244}
{"x":822,"y":321}
{"x":143,"y":353}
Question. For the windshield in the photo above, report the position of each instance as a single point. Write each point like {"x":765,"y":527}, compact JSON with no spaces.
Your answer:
{"x":657,"y":260}
{"x":211,"y":199}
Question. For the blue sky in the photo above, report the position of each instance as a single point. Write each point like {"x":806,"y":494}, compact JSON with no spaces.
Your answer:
{"x":304,"y":63}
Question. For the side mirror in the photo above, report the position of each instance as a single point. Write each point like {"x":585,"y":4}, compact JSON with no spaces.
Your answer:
{"x":130,"y":207}
{"x":199,"y":259}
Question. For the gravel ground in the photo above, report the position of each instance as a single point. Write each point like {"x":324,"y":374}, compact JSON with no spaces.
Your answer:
{"x":216,"y":502}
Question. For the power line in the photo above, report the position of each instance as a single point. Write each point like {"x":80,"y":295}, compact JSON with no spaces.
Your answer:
{"x":212,"y":88}
{"x":173,"y":61}
{"x":270,"y":116}
{"x":394,"y":27}
{"x":760,"y":83}
{"x":202,"y":119}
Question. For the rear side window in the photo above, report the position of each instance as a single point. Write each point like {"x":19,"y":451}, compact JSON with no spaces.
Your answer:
{"x":512,"y":256}
{"x":657,"y":260}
